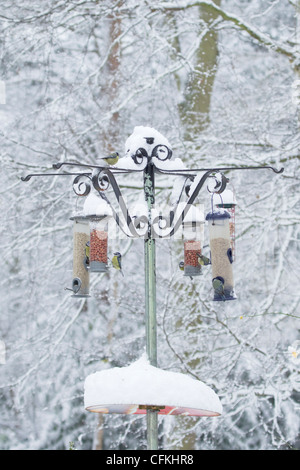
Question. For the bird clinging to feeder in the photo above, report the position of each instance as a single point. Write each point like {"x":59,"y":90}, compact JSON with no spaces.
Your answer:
{"x":218,"y":286}
{"x":116,"y":262}
{"x":203,"y":260}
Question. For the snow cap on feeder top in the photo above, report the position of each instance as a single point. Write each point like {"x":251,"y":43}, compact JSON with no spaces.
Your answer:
{"x":226,"y":199}
{"x":94,"y":205}
{"x":193,"y":222}
{"x":194,"y":214}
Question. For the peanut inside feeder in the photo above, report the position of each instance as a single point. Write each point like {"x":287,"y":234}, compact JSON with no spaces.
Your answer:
{"x":191,"y":250}
{"x":98,"y":246}
{"x":193,"y":236}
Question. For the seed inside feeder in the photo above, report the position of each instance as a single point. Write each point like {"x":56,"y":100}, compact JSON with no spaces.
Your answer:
{"x":221,"y":265}
{"x":81,"y":235}
{"x":221,"y":252}
{"x":98,"y":247}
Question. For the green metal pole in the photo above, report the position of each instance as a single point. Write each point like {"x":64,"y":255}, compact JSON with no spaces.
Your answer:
{"x":150,"y":301}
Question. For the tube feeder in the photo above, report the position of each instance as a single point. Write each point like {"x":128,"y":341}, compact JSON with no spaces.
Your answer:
{"x":221,"y":255}
{"x":98,"y":244}
{"x":81,"y":238}
{"x":99,"y":214}
{"x":228,"y":202}
{"x":193,"y":235}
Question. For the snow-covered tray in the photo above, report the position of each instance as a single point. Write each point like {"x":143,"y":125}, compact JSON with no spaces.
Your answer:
{"x":140,"y":387}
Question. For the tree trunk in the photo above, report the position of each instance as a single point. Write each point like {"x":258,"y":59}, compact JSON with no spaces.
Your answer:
{"x":194,"y":111}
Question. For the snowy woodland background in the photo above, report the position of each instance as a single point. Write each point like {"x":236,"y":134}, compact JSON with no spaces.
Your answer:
{"x":220,"y":79}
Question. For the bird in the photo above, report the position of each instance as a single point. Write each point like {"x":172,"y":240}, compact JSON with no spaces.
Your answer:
{"x":116,"y":262}
{"x":203,"y":260}
{"x":218,"y":285}
{"x":112,"y":159}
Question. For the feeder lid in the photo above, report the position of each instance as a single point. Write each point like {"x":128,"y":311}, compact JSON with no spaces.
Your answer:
{"x":219,"y":214}
{"x":141,"y":386}
{"x":80,"y":218}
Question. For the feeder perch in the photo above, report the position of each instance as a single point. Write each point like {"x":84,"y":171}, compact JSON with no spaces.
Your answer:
{"x":81,"y":277}
{"x":221,"y":254}
{"x":141,"y":387}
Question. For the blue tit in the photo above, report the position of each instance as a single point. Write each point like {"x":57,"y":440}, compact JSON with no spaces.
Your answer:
{"x":112,"y":159}
{"x":116,"y":262}
{"x":218,"y":285}
{"x":203,"y":260}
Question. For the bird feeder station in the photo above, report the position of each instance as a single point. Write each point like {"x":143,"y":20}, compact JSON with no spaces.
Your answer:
{"x":81,"y":238}
{"x":227,"y":201}
{"x":143,"y":388}
{"x":221,"y":254}
{"x":98,"y":244}
{"x":193,"y":236}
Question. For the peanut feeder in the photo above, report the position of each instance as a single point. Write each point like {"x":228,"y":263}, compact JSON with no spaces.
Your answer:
{"x":98,"y":244}
{"x":193,"y":236}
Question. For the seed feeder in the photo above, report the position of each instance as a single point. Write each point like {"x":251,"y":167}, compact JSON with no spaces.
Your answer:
{"x":81,"y":238}
{"x":228,"y":201}
{"x":221,"y":254}
{"x":98,"y":244}
{"x":98,"y":213}
{"x":193,"y":236}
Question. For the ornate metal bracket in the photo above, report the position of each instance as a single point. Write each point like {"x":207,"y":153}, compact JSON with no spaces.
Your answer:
{"x":102,"y":177}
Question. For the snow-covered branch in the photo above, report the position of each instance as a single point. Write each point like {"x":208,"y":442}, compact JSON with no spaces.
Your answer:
{"x":236,"y":21}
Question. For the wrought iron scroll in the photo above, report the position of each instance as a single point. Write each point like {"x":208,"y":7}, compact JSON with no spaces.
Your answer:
{"x":102,"y":177}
